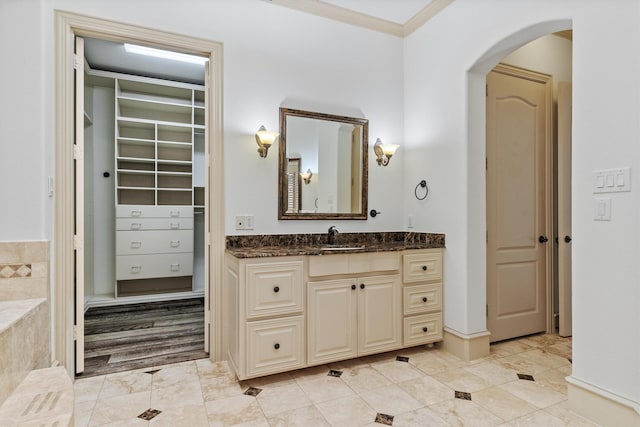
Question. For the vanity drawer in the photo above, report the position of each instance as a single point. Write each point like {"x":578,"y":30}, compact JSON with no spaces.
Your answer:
{"x":146,"y":211}
{"x":358,"y":263}
{"x":422,"y":329}
{"x":153,"y":242}
{"x":130,"y":267}
{"x":131,"y":224}
{"x":275,"y":345}
{"x":422,"y":298}
{"x":274,"y":289}
{"x":420,"y":267}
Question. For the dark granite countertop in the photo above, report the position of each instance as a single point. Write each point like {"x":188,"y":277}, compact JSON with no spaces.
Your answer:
{"x":270,"y":245}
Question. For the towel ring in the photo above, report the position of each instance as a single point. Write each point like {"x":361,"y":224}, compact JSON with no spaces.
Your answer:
{"x":421,"y":184}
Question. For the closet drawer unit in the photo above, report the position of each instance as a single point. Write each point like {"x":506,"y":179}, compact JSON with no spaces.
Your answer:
{"x":274,"y":289}
{"x":130,"y":267}
{"x":419,"y":299}
{"x":422,"y":329}
{"x":422,"y":267}
{"x":153,"y":242}
{"x":146,"y":211}
{"x":130,"y":224}
{"x":274,"y":345}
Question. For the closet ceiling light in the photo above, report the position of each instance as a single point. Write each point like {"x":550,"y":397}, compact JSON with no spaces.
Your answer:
{"x":165,"y":54}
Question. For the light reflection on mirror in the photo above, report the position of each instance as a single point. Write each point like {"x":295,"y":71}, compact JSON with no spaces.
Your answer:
{"x":334,"y":149}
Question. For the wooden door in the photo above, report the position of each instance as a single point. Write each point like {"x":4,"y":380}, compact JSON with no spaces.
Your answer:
{"x":564,"y":208}
{"x":332,"y":320}
{"x":379,"y":314}
{"x":78,"y":238}
{"x":518,"y":194}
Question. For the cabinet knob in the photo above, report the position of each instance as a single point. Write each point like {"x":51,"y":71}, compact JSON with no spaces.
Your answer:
{"x":424,"y":268}
{"x":353,"y":287}
{"x":425,"y":329}
{"x":276,"y":289}
{"x":424,"y":299}
{"x":361,"y":285}
{"x":276,"y":346}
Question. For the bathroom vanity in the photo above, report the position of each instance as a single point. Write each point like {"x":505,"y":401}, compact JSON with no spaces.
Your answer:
{"x":290,"y":306}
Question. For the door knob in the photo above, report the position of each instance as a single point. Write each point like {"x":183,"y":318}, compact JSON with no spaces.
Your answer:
{"x":543,"y":239}
{"x":567,"y":239}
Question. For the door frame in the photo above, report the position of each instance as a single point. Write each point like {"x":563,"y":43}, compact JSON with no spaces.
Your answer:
{"x":545,"y":79}
{"x":66,"y":26}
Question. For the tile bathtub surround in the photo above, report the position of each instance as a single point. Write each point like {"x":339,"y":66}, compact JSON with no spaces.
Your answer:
{"x":309,"y":244}
{"x":371,"y":391}
{"x":24,"y":270}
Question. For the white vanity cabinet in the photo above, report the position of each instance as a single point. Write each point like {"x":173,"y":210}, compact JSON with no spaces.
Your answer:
{"x":264,"y":314}
{"x":289,"y":312}
{"x":422,"y":296}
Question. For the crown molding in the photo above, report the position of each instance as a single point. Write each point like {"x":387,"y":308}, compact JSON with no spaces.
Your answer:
{"x":347,"y":16}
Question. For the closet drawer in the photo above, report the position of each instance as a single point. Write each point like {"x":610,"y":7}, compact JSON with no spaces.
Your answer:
{"x":154,"y":224}
{"x":275,"y":345}
{"x":146,"y":211}
{"x":421,"y":267}
{"x":158,"y":265}
{"x":422,"y":329}
{"x":153,"y":242}
{"x":274,"y":289}
{"x":422,"y":298}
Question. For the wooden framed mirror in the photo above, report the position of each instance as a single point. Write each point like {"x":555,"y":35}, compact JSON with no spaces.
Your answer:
{"x":323,"y":166}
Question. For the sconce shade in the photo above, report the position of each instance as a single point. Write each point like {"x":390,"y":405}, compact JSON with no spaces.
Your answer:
{"x":384,"y":152}
{"x":265,"y":139}
{"x":306,"y":176}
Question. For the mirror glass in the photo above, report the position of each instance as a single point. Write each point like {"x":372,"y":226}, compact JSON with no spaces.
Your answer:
{"x":323,"y":166}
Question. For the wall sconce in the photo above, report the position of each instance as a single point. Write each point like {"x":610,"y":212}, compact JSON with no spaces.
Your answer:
{"x":306,"y":176}
{"x":384,"y":152}
{"x":265,"y":138}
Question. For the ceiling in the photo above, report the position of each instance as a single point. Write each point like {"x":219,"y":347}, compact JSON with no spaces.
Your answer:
{"x":398,"y":11}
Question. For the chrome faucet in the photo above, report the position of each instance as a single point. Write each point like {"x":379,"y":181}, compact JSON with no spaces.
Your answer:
{"x":331,"y":235}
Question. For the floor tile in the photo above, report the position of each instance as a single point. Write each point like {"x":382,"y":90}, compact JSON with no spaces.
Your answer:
{"x":172,"y":375}
{"x":554,"y":379}
{"x":350,"y":410}
{"x":307,"y":416}
{"x":426,"y":390}
{"x":219,"y":387}
{"x":397,"y":371}
{"x":125,"y":383}
{"x":534,"y":393}
{"x":364,"y":379}
{"x":543,"y":358}
{"x":502,"y":403}
{"x":492,"y":372}
{"x":568,"y":417}
{"x":459,"y":379}
{"x":538,"y":419}
{"x":181,"y":394}
{"x":390,"y":400}
{"x":86,"y":389}
{"x":325,"y":388}
{"x":234,"y":411}
{"x":435,"y":361}
{"x":82,"y":413}
{"x":282,"y":398}
{"x":509,"y":348}
{"x":420,"y":418}
{"x":120,"y":408}
{"x":458,"y":412}
{"x":186,"y":415}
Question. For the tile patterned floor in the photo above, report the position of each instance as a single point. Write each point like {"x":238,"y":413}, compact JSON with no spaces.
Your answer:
{"x":424,"y":387}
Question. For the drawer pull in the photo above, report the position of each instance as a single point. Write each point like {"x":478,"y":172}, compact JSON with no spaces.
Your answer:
{"x":174,"y":214}
{"x":174,"y":243}
{"x":276,"y":346}
{"x":136,"y":245}
{"x":276,"y":289}
{"x":174,"y":225}
{"x":175,"y":267}
{"x":135,"y":269}
{"x":424,"y":268}
{"x":425,"y":329}
{"x":136,"y":226}
{"x":424,"y":299}
{"x":361,"y":285}
{"x":136,"y":213}
{"x":353,"y":287}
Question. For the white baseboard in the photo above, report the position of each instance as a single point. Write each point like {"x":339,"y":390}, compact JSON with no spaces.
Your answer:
{"x":466,"y":346}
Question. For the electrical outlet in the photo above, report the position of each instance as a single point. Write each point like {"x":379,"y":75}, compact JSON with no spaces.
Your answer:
{"x":240,"y":222}
{"x":248,"y":222}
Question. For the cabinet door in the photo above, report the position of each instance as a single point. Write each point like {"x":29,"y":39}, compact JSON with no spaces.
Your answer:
{"x":331,"y":327}
{"x":379,"y":314}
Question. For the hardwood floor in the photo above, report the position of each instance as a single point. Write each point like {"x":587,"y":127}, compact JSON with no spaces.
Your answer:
{"x":127,"y":337}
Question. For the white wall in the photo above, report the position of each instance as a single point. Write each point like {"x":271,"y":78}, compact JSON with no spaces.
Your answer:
{"x":444,"y":140}
{"x":272,"y":55}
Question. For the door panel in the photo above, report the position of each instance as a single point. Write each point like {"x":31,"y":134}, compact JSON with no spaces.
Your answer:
{"x":518,"y":141}
{"x":564,"y":208}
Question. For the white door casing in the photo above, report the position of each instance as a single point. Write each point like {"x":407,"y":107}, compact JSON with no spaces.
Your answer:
{"x":564,"y":208}
{"x":78,"y":238}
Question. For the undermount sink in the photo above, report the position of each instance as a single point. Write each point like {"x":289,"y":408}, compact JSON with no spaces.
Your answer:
{"x":341,"y":247}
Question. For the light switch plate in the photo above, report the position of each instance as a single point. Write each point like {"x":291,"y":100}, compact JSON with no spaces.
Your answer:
{"x":612,"y":180}
{"x":602,"y":209}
